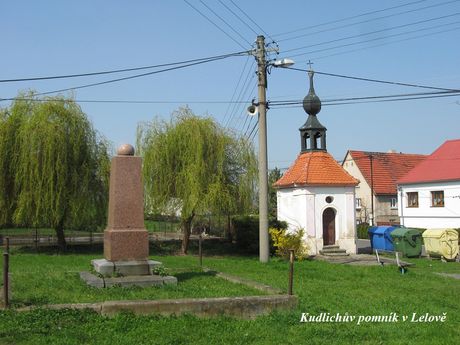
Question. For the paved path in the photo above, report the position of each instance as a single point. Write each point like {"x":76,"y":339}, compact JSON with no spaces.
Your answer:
{"x":360,"y":260}
{"x":450,"y":275}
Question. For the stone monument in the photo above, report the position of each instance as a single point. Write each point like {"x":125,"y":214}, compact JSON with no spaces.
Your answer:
{"x":126,"y":243}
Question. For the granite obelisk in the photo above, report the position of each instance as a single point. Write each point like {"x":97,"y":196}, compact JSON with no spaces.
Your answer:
{"x":126,"y":243}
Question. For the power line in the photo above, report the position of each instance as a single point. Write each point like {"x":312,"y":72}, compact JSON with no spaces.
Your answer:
{"x":388,"y":97}
{"x":239,"y":18}
{"x":253,"y":129}
{"x":371,"y":33}
{"x":376,"y":39}
{"x":286,"y":102}
{"x":367,"y":20}
{"x":248,"y":126}
{"x":397,"y":99}
{"x":256,"y":132}
{"x":212,"y":22}
{"x":383,"y":44}
{"x":226,"y":23}
{"x":242,"y":102}
{"x":243,"y":90}
{"x":347,"y":18}
{"x":240,"y":107}
{"x":251,"y":20}
{"x":291,"y":105}
{"x":126,"y":78}
{"x":374,"y":80}
{"x":117,"y":70}
{"x":236,"y":88}
{"x":118,"y":101}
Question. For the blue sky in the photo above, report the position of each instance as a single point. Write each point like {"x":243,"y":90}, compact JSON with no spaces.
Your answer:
{"x":41,"y":38}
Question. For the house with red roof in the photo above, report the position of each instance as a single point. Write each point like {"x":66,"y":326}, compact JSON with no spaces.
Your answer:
{"x":316,"y":193}
{"x":429,"y":194}
{"x":376,"y":193}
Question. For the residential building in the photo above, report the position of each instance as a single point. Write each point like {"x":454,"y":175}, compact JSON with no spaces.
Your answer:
{"x":376,"y":193}
{"x":429,"y":194}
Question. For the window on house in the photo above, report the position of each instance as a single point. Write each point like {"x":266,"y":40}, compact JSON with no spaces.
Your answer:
{"x":358,"y":203}
{"x":412,"y":199}
{"x":437,"y":198}
{"x":393,"y":203}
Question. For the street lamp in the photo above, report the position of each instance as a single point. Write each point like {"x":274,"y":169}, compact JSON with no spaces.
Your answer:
{"x":283,"y":63}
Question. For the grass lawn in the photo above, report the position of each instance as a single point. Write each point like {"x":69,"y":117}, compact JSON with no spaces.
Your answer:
{"x":54,"y":279}
{"x":322,"y":288}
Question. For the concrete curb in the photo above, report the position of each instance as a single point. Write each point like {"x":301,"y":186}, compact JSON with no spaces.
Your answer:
{"x":239,"y":307}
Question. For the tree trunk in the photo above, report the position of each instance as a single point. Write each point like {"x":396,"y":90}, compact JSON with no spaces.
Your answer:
{"x":228,"y":229}
{"x":61,"y":237}
{"x":186,"y":230}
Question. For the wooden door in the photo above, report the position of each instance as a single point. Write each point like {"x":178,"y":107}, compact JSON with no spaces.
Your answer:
{"x":329,"y":226}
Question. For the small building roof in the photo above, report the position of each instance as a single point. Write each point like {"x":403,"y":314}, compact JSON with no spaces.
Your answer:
{"x":442,"y":165}
{"x":317,"y":168}
{"x":387,"y":168}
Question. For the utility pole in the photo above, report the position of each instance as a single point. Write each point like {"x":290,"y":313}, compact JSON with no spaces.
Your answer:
{"x":263,"y":165}
{"x":401,"y":204}
{"x":371,"y":157}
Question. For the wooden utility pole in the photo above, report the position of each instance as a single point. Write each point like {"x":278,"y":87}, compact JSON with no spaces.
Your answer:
{"x":263,"y":164}
{"x":371,"y":157}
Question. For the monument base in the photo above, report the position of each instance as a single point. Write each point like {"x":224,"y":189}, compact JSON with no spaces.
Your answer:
{"x":126,"y":244}
{"x":142,"y":281}
{"x":124,"y":268}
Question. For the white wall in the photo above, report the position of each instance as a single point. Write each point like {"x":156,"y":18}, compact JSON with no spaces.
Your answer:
{"x":426,"y":216}
{"x":363,"y":190}
{"x":303,"y":208}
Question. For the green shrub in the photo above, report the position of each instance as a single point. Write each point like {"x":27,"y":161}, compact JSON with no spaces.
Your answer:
{"x":284,"y":242}
{"x":160,"y":270}
{"x":362,"y":229}
{"x":246,"y":232}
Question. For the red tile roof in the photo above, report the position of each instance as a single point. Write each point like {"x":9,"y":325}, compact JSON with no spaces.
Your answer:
{"x":442,"y":165}
{"x":315,"y":168}
{"x":387,"y":168}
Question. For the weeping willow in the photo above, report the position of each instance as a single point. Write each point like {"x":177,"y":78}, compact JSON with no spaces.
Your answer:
{"x":193,"y":165}
{"x":53,"y":166}
{"x":10,"y":122}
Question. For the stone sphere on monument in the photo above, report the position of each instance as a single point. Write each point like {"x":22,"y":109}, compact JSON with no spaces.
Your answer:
{"x":125,"y":150}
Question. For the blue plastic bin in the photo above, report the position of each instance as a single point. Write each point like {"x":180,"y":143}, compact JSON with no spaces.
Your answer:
{"x":380,"y":237}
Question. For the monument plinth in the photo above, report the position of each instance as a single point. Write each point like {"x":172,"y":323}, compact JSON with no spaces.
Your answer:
{"x":126,"y":242}
{"x":126,"y":237}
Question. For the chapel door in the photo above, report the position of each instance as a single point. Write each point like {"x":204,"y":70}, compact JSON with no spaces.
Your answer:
{"x":329,"y":226}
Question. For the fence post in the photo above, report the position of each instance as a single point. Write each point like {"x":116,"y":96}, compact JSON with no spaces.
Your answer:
{"x":200,"y":250}
{"x":6,"y":283}
{"x":36,"y":240}
{"x":291,"y":270}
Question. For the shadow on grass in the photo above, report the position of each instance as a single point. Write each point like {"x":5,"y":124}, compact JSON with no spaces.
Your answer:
{"x":183,"y":276}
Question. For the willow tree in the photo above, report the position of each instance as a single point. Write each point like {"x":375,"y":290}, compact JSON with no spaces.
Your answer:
{"x":193,"y":165}
{"x":58,"y":172}
{"x":11,"y":120}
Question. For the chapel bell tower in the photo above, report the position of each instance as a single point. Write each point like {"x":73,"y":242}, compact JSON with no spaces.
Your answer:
{"x":312,"y":133}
